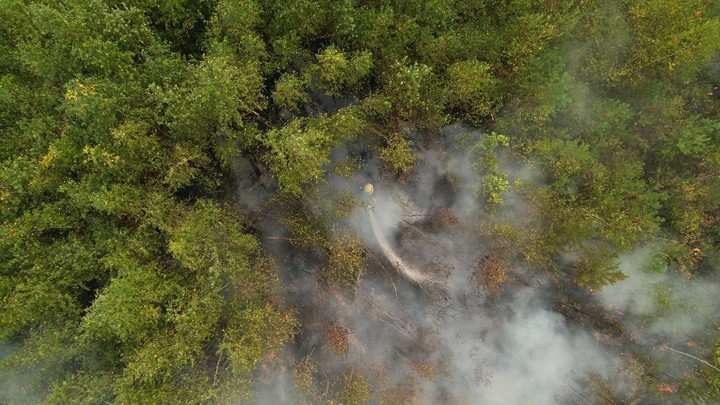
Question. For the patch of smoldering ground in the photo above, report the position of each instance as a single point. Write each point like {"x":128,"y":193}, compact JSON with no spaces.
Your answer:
{"x":412,"y":343}
{"x":482,"y":329}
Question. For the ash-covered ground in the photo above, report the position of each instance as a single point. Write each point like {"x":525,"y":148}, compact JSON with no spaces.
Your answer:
{"x":441,"y":314}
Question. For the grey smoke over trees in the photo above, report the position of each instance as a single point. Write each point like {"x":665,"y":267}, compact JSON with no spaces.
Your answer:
{"x":185,"y":215}
{"x":445,"y":334}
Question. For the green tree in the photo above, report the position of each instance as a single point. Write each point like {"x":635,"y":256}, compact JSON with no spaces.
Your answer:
{"x":298,"y":151}
{"x":471,"y":89}
{"x":337,"y":72}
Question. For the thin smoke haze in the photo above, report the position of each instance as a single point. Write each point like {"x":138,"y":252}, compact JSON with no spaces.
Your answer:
{"x":421,"y":316}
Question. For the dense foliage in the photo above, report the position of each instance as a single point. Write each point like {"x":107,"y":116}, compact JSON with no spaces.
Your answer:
{"x":126,"y":277}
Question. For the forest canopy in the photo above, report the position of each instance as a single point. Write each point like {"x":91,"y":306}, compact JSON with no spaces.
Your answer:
{"x":129,"y":273}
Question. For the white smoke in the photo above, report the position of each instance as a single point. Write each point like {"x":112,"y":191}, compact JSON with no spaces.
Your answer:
{"x":664,"y":310}
{"x":476,"y":346}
